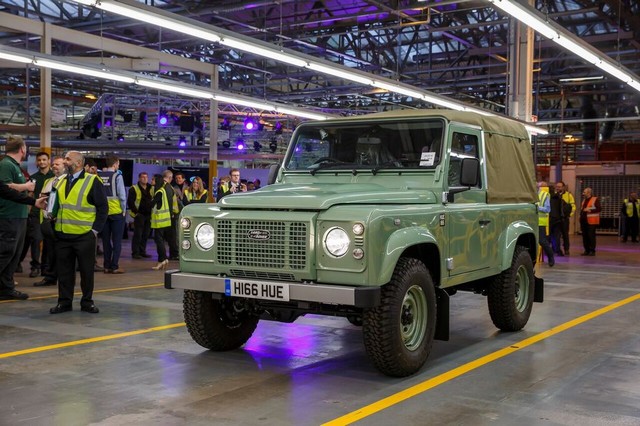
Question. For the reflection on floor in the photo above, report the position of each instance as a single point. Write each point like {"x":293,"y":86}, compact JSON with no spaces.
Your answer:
{"x":316,"y":370}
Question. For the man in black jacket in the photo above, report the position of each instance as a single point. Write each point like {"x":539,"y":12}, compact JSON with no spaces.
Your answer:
{"x":139,"y":203}
{"x":556,"y":221}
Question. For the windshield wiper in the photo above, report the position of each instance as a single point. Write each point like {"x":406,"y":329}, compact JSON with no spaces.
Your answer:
{"x":396,"y":164}
{"x":326,"y":163}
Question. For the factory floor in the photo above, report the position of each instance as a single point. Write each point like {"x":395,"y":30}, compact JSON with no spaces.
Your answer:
{"x":577,"y":362}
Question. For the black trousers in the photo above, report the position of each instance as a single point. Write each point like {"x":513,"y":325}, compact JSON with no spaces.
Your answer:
{"x":81,"y":248}
{"x":630,"y":228}
{"x":172,"y":238}
{"x":555,"y":234}
{"x":588,"y":236}
{"x":12,"y":232}
{"x":565,"y":233}
{"x":544,"y":243}
{"x":141,"y":231}
{"x":49,"y":249}
{"x":160,"y":235}
{"x":32,"y":240}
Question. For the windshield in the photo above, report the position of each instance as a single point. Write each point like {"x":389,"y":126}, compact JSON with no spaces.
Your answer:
{"x":367,"y":145}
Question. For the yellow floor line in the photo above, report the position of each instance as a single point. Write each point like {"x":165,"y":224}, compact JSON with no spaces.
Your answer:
{"x":397,"y":398}
{"x":79,"y":293}
{"x":91,"y":340}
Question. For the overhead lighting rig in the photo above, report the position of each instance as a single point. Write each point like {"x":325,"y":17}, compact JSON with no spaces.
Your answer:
{"x":193,"y":28}
{"x":48,"y":61}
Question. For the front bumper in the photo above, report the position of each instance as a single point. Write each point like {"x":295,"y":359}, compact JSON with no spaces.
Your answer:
{"x":360,"y":297}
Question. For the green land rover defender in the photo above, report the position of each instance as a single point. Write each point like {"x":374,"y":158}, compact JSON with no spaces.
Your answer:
{"x":378,"y":219}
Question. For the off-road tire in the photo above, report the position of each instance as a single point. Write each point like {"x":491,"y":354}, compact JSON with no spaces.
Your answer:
{"x":216,"y":324}
{"x":398,"y":334}
{"x":510,"y":295}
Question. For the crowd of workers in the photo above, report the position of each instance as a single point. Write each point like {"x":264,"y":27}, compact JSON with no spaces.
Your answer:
{"x":557,"y":206}
{"x":74,"y":205}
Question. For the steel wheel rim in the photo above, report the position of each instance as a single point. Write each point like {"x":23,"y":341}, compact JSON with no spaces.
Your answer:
{"x":413,"y":317}
{"x":522,"y":289}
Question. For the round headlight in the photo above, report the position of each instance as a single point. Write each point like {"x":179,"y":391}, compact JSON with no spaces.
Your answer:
{"x":204,"y":236}
{"x":185,"y":222}
{"x":358,"y":228}
{"x":186,"y":244}
{"x":336,"y":242}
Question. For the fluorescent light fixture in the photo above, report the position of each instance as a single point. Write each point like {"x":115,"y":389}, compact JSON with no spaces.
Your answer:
{"x":399,"y":89}
{"x":576,"y":49}
{"x":76,"y":69}
{"x":336,"y":72}
{"x":305,"y":114}
{"x":535,"y":130}
{"x":580,"y":79}
{"x":446,"y":104}
{"x":614,"y":71}
{"x":230,"y":99}
{"x":173,"y":24}
{"x":532,"y":18}
{"x":267,"y":53}
{"x":239,"y":101}
{"x":635,"y":84}
{"x":16,"y":58}
{"x":525,"y":16}
{"x":483,"y":112}
{"x":169,"y":86}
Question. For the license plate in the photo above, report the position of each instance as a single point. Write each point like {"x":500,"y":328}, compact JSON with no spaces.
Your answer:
{"x":256,"y":290}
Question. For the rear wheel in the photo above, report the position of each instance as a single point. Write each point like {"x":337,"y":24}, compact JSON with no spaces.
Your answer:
{"x":510,"y":295}
{"x":398,"y":334}
{"x":217,"y":324}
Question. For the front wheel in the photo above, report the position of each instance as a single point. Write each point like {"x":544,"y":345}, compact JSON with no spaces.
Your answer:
{"x":398,"y":334}
{"x":510,"y":295}
{"x":217,"y":324}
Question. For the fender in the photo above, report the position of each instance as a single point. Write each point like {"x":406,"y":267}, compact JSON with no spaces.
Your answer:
{"x":509,"y":238}
{"x":397,"y":243}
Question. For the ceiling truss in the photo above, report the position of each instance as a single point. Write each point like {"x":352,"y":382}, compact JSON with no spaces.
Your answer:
{"x":458,"y":49}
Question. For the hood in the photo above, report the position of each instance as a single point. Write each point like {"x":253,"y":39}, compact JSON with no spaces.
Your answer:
{"x":323,"y":196}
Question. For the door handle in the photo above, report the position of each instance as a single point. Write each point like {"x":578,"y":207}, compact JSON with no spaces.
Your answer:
{"x":484,"y":223}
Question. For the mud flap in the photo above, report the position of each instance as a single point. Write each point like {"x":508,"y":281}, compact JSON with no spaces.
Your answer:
{"x":538,"y":292}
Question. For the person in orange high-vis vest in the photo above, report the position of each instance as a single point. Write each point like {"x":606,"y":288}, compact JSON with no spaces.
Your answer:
{"x":589,"y":221}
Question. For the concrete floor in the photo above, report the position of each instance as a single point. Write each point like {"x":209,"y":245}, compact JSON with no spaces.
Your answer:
{"x":78,"y":369}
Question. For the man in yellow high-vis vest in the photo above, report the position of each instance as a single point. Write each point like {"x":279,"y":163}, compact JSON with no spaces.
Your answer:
{"x":544,"y":207}
{"x":630,"y":213}
{"x":80,"y":211}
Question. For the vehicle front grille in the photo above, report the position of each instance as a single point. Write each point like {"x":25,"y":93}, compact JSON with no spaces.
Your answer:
{"x":262,"y":244}
{"x":261,"y":275}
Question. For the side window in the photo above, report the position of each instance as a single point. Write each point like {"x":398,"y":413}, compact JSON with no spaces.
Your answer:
{"x":462,"y":146}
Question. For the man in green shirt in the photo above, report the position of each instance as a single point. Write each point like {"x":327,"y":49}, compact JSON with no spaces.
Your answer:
{"x":33,"y":239}
{"x":13,"y":219}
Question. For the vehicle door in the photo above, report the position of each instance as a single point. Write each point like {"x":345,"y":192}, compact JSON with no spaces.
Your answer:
{"x":470,"y":221}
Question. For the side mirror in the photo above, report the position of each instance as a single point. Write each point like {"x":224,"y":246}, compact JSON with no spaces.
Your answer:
{"x":469,"y":177}
{"x":273,"y":173}
{"x":469,"y":172}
